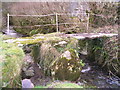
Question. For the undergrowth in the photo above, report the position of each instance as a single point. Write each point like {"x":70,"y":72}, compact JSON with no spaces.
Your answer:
{"x":11,"y":59}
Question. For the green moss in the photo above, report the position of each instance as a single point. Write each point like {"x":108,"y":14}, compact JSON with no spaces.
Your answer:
{"x":40,"y":87}
{"x":61,"y":85}
{"x":60,"y":49}
{"x":36,"y":52}
{"x":5,"y":37}
{"x":81,"y":63}
{"x":30,"y":41}
{"x":24,"y":22}
{"x":50,"y":38}
{"x":68,"y":69}
{"x":11,"y":59}
{"x":34,"y":32}
{"x":82,"y":44}
{"x":24,"y":31}
{"x":72,"y":43}
{"x":64,"y":85}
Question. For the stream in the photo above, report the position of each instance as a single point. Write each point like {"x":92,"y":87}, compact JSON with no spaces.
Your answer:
{"x":91,"y":74}
{"x":11,"y":32}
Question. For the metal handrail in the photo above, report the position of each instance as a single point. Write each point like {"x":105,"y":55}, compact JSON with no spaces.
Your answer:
{"x":56,"y":14}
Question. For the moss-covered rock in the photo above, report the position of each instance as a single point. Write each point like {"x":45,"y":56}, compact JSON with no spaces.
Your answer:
{"x":59,"y":59}
{"x":68,"y":67}
{"x":11,"y":60}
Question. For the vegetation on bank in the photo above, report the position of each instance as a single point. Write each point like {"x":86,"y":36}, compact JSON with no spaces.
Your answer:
{"x":61,"y":85}
{"x":103,"y":14}
{"x":104,"y":51}
{"x":11,"y":60}
{"x":65,"y":84}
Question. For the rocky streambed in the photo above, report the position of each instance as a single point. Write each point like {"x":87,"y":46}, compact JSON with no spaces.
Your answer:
{"x":68,"y":58}
{"x":92,"y":76}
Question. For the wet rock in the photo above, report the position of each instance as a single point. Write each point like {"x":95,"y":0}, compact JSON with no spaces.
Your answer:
{"x":26,"y":83}
{"x":39,"y":78}
{"x":28,"y":59}
{"x":27,"y":69}
{"x":30,"y":72}
{"x":27,"y":73}
{"x":62,"y":43}
{"x":86,"y":70}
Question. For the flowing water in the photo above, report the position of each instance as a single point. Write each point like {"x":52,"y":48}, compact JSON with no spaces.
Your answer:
{"x":93,"y":75}
{"x":12,"y":33}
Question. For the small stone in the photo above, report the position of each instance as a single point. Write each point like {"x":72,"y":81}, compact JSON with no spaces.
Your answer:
{"x":24,"y":69}
{"x":86,"y":70}
{"x":67,"y":55}
{"x":62,"y":42}
{"x":20,"y":45}
{"x":26,"y":83}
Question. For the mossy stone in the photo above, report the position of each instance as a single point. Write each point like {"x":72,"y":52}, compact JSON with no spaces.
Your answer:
{"x":67,"y":68}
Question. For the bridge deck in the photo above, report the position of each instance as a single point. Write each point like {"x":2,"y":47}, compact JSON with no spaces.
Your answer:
{"x":91,"y":35}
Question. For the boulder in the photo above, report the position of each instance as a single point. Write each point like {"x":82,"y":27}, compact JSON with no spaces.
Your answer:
{"x":60,"y":59}
{"x":67,"y":67}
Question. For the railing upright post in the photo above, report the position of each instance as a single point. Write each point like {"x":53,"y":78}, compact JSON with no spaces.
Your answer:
{"x":8,"y":26}
{"x":88,"y":22}
{"x":57,"y":22}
